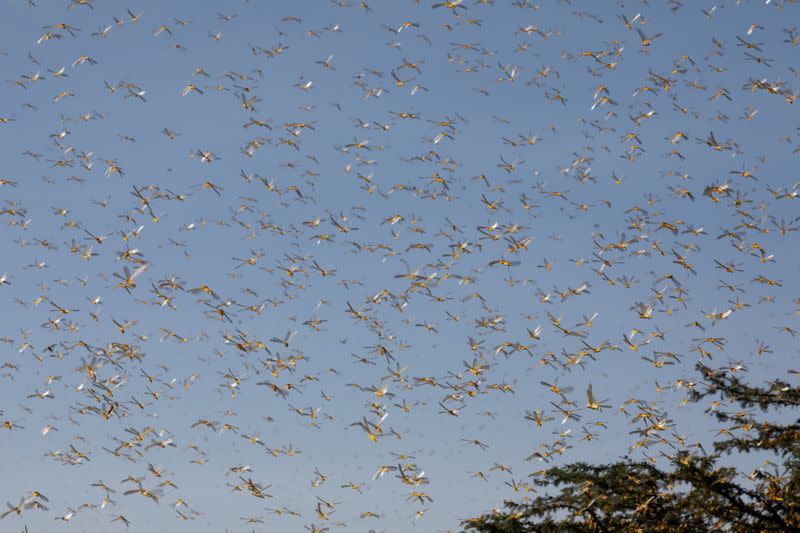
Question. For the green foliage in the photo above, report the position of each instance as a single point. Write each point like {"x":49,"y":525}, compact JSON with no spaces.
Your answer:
{"x":693,"y":494}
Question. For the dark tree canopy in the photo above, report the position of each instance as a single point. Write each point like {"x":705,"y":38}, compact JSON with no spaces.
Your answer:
{"x":695,"y":493}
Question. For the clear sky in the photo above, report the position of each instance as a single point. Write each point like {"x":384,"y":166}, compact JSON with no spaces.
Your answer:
{"x":387,"y":219}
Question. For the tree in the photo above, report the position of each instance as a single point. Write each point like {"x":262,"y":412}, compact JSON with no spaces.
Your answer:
{"x":694,"y":494}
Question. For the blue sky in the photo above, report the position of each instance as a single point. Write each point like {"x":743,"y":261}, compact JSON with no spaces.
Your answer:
{"x":414,"y":167}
